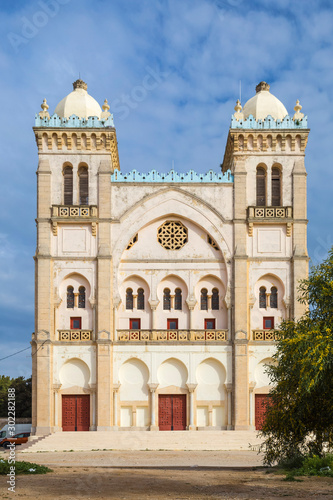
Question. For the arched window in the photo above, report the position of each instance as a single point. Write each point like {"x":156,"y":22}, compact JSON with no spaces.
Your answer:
{"x":178,"y":299}
{"x":68,"y":186}
{"x":141,"y":299}
{"x":262,"y":297}
{"x":276,"y":187}
{"x":215,"y":299}
{"x":204,"y":300}
{"x":273,"y":300}
{"x":261,"y":187}
{"x":166,"y":299}
{"x":83,"y":185}
{"x":129,"y":298}
{"x":70,"y":297}
{"x":82,"y":297}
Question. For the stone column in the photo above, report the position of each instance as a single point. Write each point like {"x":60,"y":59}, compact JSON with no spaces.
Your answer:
{"x":251,"y":416}
{"x":152,"y":389}
{"x":228,"y":388}
{"x":116,"y":388}
{"x":191,"y":304}
{"x":191,"y":389}
{"x":56,"y":388}
{"x":93,"y":406}
{"x":153,"y":306}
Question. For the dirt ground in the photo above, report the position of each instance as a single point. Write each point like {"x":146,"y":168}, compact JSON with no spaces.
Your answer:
{"x":72,"y":478}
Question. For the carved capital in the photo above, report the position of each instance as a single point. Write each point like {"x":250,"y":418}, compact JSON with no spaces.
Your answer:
{"x":191,"y":387}
{"x":153,"y":387}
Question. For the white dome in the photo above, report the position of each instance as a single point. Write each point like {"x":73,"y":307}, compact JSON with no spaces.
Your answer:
{"x":263,"y":104}
{"x":78,"y":103}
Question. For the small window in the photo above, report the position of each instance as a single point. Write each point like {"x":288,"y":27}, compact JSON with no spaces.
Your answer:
{"x":273,"y":300}
{"x":70,"y":297}
{"x":82,"y":297}
{"x":141,"y":299}
{"x":135,"y":324}
{"x":210,"y":324}
{"x":68,"y":186}
{"x":83,"y":185}
{"x":276,"y":187}
{"x":166,"y":299}
{"x":215,"y":300}
{"x":129,"y":298}
{"x":172,"y":324}
{"x":204,"y":300}
{"x":262,"y":297}
{"x":261,"y":187}
{"x":75,"y":323}
{"x":268,"y":323}
{"x":178,"y":299}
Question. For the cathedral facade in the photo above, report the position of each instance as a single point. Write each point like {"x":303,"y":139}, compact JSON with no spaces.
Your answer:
{"x":157,"y":294}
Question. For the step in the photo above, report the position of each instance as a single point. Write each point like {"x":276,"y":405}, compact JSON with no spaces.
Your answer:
{"x":145,"y":440}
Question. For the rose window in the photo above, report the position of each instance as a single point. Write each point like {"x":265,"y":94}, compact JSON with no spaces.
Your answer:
{"x":172,"y":235}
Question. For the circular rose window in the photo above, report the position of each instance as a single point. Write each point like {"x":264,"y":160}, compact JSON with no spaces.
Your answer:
{"x":172,"y":235}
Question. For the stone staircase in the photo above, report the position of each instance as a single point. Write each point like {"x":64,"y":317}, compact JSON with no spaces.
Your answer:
{"x":32,"y":441}
{"x":141,"y":440}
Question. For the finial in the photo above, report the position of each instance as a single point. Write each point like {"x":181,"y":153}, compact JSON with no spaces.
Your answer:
{"x":105,"y":106}
{"x":105,"y":114}
{"x":298,"y":115}
{"x":45,"y":107}
{"x":262,"y":86}
{"x":80,"y":84}
{"x":238,"y":108}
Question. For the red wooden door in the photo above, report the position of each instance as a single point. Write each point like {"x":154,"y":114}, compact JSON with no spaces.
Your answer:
{"x":179,"y":412}
{"x":82,"y":413}
{"x":76,"y":413}
{"x":172,"y":412}
{"x":68,"y":413}
{"x":261,"y":401}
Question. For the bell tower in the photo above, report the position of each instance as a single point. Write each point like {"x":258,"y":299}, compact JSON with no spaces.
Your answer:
{"x":265,"y":152}
{"x":77,"y":153}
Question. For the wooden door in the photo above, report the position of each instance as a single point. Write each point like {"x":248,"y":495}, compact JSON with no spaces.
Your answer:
{"x":165,"y":412}
{"x":82,"y":412}
{"x":179,"y":412}
{"x":76,"y":413}
{"x":261,"y":401}
{"x":172,"y":412}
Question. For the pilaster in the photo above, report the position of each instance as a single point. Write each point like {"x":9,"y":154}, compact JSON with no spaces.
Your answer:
{"x":240,"y":319}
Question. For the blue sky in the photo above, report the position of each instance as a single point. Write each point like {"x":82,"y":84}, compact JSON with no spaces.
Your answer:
{"x":196,"y":52}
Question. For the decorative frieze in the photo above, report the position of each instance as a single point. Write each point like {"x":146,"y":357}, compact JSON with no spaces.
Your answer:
{"x":172,"y":176}
{"x":269,"y":123}
{"x":172,"y":335}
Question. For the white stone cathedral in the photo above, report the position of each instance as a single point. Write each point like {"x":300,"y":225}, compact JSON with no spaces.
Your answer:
{"x":157,"y":294}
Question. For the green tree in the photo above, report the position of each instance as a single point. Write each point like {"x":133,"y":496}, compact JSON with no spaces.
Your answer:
{"x":22,"y":388}
{"x":299,"y":418}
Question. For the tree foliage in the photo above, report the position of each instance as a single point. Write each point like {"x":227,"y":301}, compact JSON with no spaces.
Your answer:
{"x":299,"y":419}
{"x":22,"y":388}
